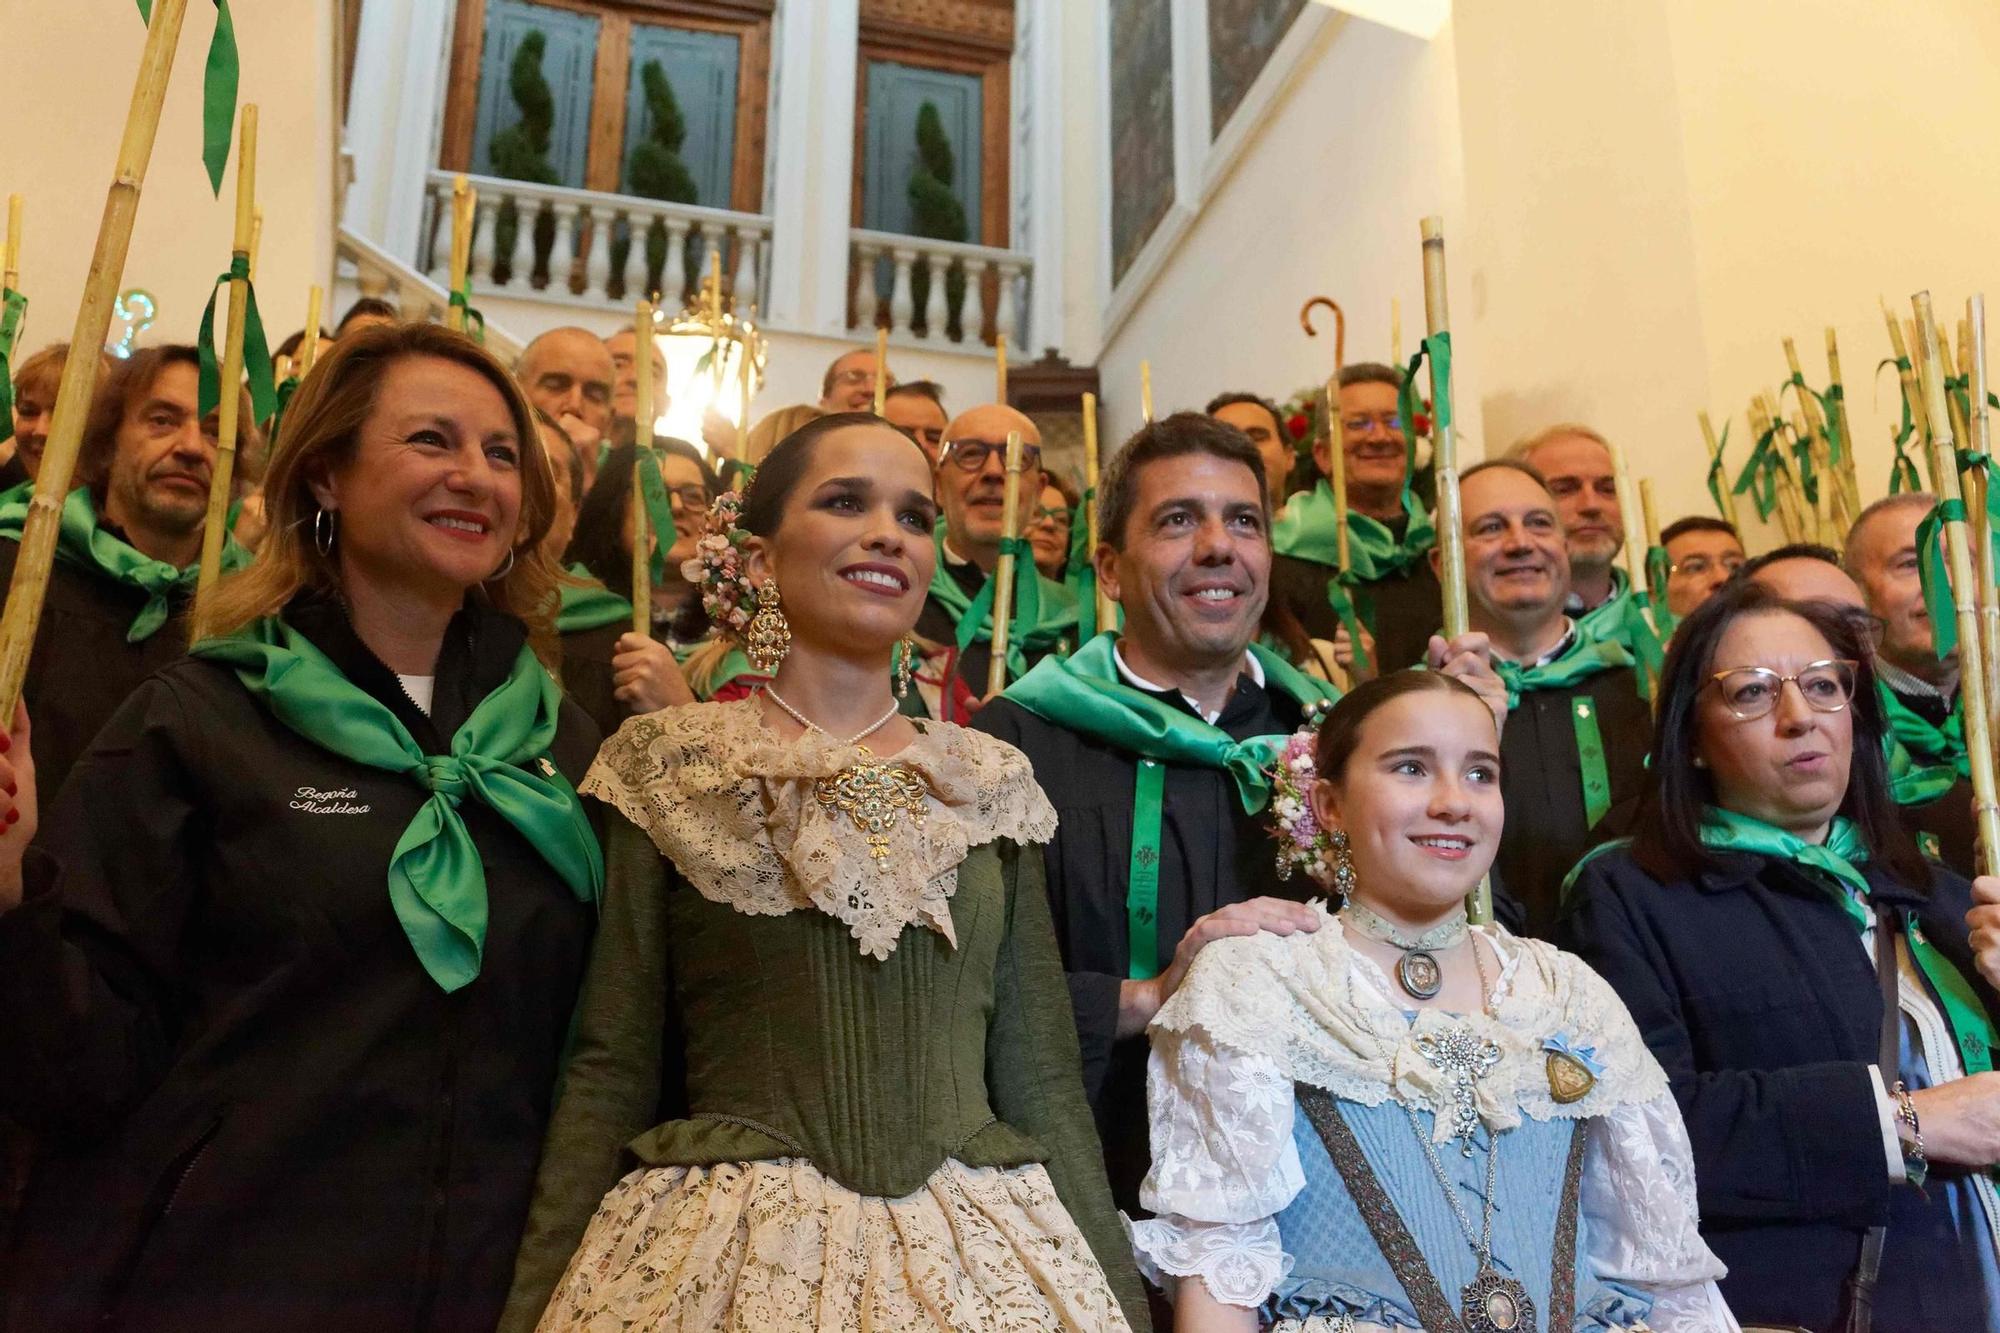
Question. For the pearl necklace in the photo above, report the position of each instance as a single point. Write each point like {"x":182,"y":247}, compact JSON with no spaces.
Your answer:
{"x":811,"y":725}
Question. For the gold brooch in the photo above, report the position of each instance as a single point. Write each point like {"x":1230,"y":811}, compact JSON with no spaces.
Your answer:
{"x":874,"y":796}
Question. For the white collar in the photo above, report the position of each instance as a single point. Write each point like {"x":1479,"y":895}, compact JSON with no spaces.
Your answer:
{"x":1904,"y":682}
{"x":1555,"y":650}
{"x":1137,"y":681}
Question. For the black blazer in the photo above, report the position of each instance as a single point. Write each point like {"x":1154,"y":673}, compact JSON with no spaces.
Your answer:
{"x":1751,"y":987}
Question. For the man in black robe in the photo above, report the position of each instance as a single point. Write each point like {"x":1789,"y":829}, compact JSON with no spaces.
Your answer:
{"x":1393,"y":589}
{"x":1138,"y":883}
{"x":1577,"y":730}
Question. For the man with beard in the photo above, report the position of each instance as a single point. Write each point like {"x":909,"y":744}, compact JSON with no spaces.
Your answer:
{"x":1577,"y":730}
{"x":1393,"y":590}
{"x":1151,"y":744}
{"x":127,"y":553}
{"x":958,"y":613}
{"x":568,"y":373}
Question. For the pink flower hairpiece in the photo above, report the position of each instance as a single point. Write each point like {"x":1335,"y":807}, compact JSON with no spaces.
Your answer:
{"x":1303,"y":846}
{"x":717,"y":567}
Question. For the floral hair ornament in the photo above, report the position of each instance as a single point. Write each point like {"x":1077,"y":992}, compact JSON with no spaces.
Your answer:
{"x":717,"y":567}
{"x":1302,"y":844}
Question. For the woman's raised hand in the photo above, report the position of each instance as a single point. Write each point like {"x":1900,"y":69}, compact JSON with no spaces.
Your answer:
{"x":23,"y":814}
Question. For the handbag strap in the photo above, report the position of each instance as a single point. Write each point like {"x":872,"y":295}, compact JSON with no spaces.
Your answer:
{"x":1888,"y":1056}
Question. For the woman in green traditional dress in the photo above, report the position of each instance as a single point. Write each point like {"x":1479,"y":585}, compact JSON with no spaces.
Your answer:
{"x":289,"y":973}
{"x":825,"y":1074}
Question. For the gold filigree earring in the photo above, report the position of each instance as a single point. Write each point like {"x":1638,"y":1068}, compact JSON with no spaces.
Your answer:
{"x":906,"y":666}
{"x":769,"y":637}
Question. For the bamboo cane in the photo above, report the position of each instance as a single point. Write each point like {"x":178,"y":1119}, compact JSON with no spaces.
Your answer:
{"x":1106,"y":608}
{"x":256,"y":240}
{"x":228,"y":408}
{"x":881,"y":370}
{"x":1146,"y":391}
{"x":309,"y":345}
{"x":1336,"y":445}
{"x":1933,"y":425}
{"x":1652,"y":515}
{"x":1907,"y":380}
{"x":23,"y":610}
{"x":1000,"y":365}
{"x":1792,"y":513}
{"x":642,"y":553}
{"x":1850,"y":478}
{"x":1960,"y":428}
{"x":746,"y":388}
{"x":10,"y":268}
{"x":462,"y":204}
{"x":1824,"y":519}
{"x":1395,"y":331}
{"x":1958,"y":556}
{"x":1450,"y":520}
{"x":1982,"y":522}
{"x":1003,"y":573}
{"x":1819,"y":442}
{"x":1726,"y":501}
{"x":1628,"y":521}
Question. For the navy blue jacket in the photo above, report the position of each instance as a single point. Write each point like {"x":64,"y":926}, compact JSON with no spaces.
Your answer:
{"x":1751,"y":987}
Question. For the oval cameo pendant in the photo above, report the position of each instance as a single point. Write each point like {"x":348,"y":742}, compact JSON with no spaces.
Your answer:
{"x":1418,"y":973}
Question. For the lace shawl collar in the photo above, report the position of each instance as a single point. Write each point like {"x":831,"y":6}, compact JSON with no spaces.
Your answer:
{"x":733,"y":807}
{"x":1323,"y":1012}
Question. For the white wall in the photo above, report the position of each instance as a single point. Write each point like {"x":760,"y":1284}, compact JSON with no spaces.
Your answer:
{"x":69,"y":84}
{"x":1308,"y":209}
{"x":1641,"y":199}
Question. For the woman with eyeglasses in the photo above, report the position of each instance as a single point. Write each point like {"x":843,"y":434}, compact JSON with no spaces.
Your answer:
{"x":611,"y":671}
{"x":1807,"y":981}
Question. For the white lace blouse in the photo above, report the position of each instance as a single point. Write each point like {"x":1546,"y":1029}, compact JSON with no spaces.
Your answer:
{"x":1258,"y":1014}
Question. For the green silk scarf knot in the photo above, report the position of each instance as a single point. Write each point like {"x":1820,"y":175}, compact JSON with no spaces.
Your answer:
{"x":589,"y":604}
{"x":1085,"y":693}
{"x":1043,"y":611}
{"x":256,"y":349}
{"x":1585,"y":658}
{"x":1926,"y":744}
{"x":1837,"y":865}
{"x":1308,"y":530}
{"x":436,"y":879}
{"x":82,"y":541}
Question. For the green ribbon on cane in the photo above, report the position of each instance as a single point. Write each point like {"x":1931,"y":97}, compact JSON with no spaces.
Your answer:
{"x":13,"y":309}
{"x":659,"y":512}
{"x":1759,"y":479}
{"x":1932,"y":567}
{"x":1717,"y":476}
{"x":1043,"y":611}
{"x":83,"y":542}
{"x":475,"y":323}
{"x":256,"y":350}
{"x":1835,"y":865}
{"x":436,"y":879}
{"x":219,"y":82}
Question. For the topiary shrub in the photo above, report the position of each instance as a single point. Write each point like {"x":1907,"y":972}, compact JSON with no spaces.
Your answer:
{"x":936,"y":213}
{"x":658,"y":172}
{"x":521,"y":151}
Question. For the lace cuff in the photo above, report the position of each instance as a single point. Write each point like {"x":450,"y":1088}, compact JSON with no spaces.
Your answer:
{"x":1221,"y":1131}
{"x":1639,"y":1199}
{"x":1241,"y":1263}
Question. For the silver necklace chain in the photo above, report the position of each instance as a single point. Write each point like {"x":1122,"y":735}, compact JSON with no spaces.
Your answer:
{"x":1482,"y":1248}
{"x":1375,"y":928}
{"x":811,"y":725}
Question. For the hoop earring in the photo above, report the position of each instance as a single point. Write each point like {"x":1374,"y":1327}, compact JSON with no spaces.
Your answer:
{"x":906,"y":666}
{"x":326,"y":526}
{"x":1343,"y":865}
{"x":504,"y":570}
{"x":770,"y":636}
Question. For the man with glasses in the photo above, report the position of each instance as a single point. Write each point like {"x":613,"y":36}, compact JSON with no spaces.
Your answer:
{"x":1933,"y":792}
{"x":917,"y":410}
{"x":1577,"y":730}
{"x":1390,"y":585}
{"x":1051,"y":526}
{"x":971,"y":488}
{"x":1702,"y":553}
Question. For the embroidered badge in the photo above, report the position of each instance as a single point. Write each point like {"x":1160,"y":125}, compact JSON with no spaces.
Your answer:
{"x":340,"y":801}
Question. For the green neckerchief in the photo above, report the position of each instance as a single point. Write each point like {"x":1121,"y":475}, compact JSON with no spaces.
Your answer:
{"x":588,"y":604}
{"x":1080,"y":569}
{"x":1927,"y":744}
{"x":1836,"y":864}
{"x":1306,"y":531}
{"x":1584,"y":658}
{"x":82,"y":541}
{"x":437,"y":882}
{"x":1043,"y":613}
{"x":1085,"y":693}
{"x":1622,"y":620}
